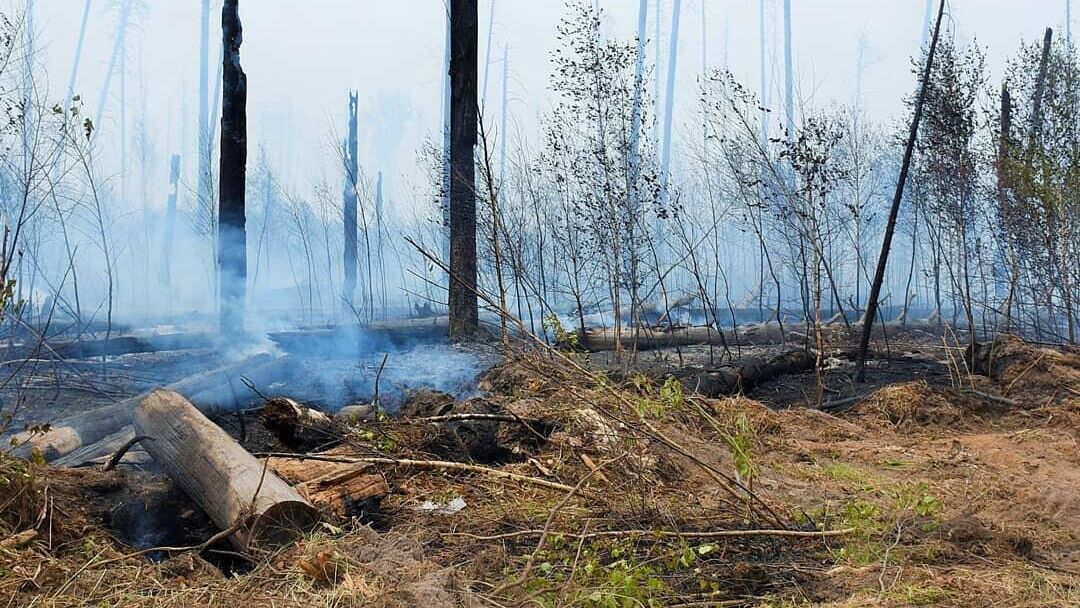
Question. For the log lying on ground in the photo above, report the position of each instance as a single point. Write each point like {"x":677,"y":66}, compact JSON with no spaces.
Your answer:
{"x":232,"y":486}
{"x":359,"y":338}
{"x":345,"y":339}
{"x":758,"y":334}
{"x":456,"y":434}
{"x":748,"y":373}
{"x":603,"y":339}
{"x":124,"y":345}
{"x":346,"y":490}
{"x":97,"y":450}
{"x":299,"y":427}
{"x":214,"y":391}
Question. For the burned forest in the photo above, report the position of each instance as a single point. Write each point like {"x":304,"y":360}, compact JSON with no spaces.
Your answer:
{"x":562,"y":303}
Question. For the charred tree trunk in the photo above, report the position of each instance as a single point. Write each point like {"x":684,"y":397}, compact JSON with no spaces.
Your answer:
{"x":232,"y":237}
{"x":352,"y":169}
{"x":1040,"y":93}
{"x":1004,"y":184}
{"x":463,"y":116}
{"x":299,"y":427}
{"x":894,"y":211}
{"x":729,"y":380}
{"x":344,"y":490}
{"x":232,"y":486}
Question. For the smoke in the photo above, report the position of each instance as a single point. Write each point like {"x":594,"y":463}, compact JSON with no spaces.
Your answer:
{"x":346,"y":366}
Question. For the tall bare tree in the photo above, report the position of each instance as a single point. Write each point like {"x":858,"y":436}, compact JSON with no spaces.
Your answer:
{"x":352,"y":168}
{"x":894,"y":211}
{"x":204,"y":135}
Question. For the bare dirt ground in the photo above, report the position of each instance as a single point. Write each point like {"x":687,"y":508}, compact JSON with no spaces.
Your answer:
{"x":928,"y":486}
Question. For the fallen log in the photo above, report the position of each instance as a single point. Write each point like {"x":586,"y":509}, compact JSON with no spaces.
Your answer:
{"x":603,"y":339}
{"x":758,"y":334}
{"x":231,"y":485}
{"x":86,"y":348}
{"x":97,"y":450}
{"x":213,"y":391}
{"x":359,"y":338}
{"x":428,"y":465}
{"x":748,"y":373}
{"x":354,"y":338}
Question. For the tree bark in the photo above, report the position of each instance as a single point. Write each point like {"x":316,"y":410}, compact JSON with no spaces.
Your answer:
{"x":232,"y":238}
{"x":1040,"y":94}
{"x":231,"y":485}
{"x":729,"y":380}
{"x":463,"y":116}
{"x":894,"y":211}
{"x":205,"y":176}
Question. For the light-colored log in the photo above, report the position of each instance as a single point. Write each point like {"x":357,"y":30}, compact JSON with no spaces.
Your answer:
{"x":231,"y":485}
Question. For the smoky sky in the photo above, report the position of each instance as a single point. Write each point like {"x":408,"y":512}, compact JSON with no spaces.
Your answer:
{"x":302,"y":56}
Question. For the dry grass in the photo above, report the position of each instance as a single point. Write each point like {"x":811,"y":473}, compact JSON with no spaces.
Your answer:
{"x":911,"y":404}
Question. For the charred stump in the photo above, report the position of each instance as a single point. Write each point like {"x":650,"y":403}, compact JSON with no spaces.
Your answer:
{"x":299,"y":427}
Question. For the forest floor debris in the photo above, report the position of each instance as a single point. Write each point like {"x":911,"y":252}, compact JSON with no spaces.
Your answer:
{"x":927,"y":490}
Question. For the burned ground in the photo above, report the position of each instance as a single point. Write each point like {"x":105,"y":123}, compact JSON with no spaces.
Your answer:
{"x":931,"y":487}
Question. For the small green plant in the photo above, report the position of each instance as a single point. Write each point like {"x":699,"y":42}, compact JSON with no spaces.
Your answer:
{"x":671,"y":393}
{"x":641,"y":382}
{"x":602,"y":381}
{"x":845,"y":473}
{"x":566,"y":340}
{"x":741,"y":443}
{"x":918,"y":498}
{"x":627,"y":586}
{"x":646,"y":407}
{"x":922,"y":596}
{"x":864,"y":546}
{"x":380,"y":441}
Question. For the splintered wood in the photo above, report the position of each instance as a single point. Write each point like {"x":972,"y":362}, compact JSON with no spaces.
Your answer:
{"x":344,"y":489}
